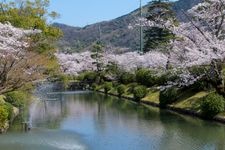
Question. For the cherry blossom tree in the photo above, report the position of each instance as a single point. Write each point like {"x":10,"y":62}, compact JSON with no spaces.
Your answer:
{"x":203,"y":36}
{"x":18,"y":64}
{"x":208,"y":19}
{"x":76,"y":63}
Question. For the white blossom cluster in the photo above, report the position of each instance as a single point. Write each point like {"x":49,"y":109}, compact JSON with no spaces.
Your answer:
{"x":76,"y":62}
{"x":79,"y":62}
{"x":13,"y":40}
{"x":210,"y":15}
{"x":193,"y":49}
{"x":203,"y":38}
{"x":132,"y":60}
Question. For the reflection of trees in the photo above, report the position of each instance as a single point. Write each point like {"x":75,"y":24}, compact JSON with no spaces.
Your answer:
{"x":178,"y":130}
{"x":127,"y":108}
{"x":94,"y":102}
{"x":173,"y":131}
{"x":182,"y":129}
{"x":100,"y":116}
{"x":50,"y":112}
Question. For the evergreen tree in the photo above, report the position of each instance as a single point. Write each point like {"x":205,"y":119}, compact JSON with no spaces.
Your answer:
{"x":161,"y":16}
{"x":97,"y":55}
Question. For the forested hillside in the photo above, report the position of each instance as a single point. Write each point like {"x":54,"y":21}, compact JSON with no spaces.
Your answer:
{"x":114,"y":33}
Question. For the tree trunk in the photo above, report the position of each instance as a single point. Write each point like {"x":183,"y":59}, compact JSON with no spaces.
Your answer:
{"x":215,"y":76}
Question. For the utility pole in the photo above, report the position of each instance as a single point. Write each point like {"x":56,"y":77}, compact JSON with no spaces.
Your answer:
{"x":141,"y":29}
{"x":100,"y":33}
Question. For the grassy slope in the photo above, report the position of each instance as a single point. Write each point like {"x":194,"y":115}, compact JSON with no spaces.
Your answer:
{"x":152,"y":96}
{"x":188,"y":100}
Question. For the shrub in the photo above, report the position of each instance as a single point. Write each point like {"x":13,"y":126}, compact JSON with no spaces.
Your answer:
{"x":112,"y":68}
{"x":3,"y":116}
{"x":64,"y":79}
{"x":94,"y":86}
{"x":121,"y":89}
{"x":16,"y":98}
{"x":146,"y":77}
{"x":131,"y":87}
{"x":139,"y":92}
{"x":197,"y":70}
{"x":212,"y":104}
{"x":107,"y":87}
{"x":90,"y":77}
{"x":168,"y":96}
{"x":115,"y":84}
{"x":127,"y":78}
{"x":151,"y":80}
{"x":200,"y":85}
{"x":165,"y":77}
{"x":141,"y":76}
{"x":98,"y":87}
{"x":98,"y":79}
{"x":80,"y":77}
{"x":2,"y":99}
{"x":9,"y":108}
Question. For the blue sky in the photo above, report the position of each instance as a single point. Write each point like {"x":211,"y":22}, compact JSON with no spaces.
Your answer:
{"x":84,"y":12}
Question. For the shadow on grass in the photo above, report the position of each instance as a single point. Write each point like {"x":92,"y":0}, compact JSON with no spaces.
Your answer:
{"x":190,"y":99}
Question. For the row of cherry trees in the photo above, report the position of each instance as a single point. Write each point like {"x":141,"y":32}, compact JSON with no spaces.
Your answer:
{"x":197,"y":42}
{"x":78,"y":62}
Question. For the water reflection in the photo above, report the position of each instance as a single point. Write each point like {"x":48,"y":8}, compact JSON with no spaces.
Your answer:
{"x":94,"y":121}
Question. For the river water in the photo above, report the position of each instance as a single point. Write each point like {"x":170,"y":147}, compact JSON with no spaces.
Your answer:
{"x":91,"y":121}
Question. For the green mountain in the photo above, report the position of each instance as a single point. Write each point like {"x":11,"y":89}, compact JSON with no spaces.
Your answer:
{"x":114,"y":33}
